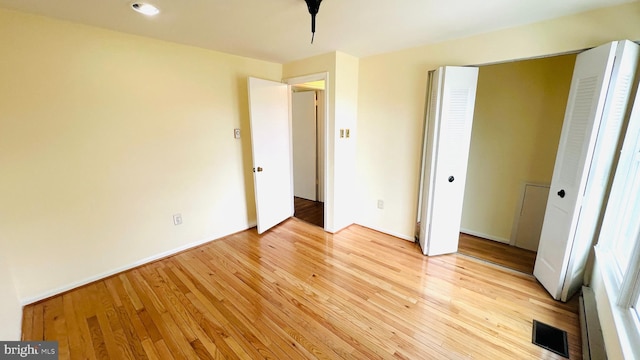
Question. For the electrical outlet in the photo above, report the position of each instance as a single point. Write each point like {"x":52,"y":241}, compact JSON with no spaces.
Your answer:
{"x":177,"y":219}
{"x":236,"y":133}
{"x":380,"y":204}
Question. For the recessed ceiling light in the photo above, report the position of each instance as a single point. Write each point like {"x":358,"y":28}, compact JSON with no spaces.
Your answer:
{"x":144,"y":8}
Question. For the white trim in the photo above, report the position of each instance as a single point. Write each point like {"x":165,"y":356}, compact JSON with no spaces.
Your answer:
{"x":308,"y":78}
{"x":106,"y":274}
{"x":485,"y":236}
{"x":392,"y":233}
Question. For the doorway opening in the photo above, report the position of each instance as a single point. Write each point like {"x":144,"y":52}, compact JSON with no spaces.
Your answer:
{"x":308,"y":117}
{"x":520,"y":108}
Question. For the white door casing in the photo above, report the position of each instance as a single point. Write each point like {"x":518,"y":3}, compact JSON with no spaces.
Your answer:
{"x":326,"y":152}
{"x":321,"y":145}
{"x":584,"y":123}
{"x":269,"y":114}
{"x":448,"y":136}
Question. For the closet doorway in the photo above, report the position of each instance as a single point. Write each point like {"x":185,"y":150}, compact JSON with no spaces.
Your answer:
{"x":517,"y":123}
{"x":518,"y":117}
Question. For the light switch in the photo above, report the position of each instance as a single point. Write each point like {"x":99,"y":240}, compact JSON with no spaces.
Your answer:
{"x":341,"y":133}
{"x":347,"y":131}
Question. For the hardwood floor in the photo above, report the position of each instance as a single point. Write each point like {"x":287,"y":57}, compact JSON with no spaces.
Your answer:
{"x":498,"y":253}
{"x":309,"y":211}
{"x":297,"y":292}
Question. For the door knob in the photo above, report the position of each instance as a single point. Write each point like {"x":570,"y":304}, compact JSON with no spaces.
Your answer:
{"x":561,"y":193}
{"x":451,"y":178}
{"x":259,"y":169}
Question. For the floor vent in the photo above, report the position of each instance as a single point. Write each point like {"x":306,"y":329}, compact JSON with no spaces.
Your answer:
{"x":592,"y":339}
{"x":550,"y":338}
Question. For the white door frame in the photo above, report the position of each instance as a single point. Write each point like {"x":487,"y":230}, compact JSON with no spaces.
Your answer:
{"x":328,"y":193}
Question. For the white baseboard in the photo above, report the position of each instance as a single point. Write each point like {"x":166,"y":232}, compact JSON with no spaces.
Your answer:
{"x":106,"y":274}
{"x":394,"y":234}
{"x":485,"y":236}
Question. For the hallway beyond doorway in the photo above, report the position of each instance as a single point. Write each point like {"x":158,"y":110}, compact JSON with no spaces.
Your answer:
{"x":309,"y":211}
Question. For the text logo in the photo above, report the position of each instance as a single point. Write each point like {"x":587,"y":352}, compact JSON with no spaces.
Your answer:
{"x":32,"y":350}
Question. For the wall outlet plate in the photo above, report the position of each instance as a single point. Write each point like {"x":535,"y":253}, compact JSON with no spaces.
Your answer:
{"x":236,"y":133}
{"x":177,"y":219}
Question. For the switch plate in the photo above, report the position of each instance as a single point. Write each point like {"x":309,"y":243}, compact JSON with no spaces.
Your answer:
{"x":347,"y":132}
{"x":341,"y":133}
{"x":236,"y":133}
{"x":177,"y":219}
{"x":380,"y":204}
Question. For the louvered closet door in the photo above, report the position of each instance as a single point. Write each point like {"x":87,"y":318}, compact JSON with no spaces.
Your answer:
{"x":449,"y":137}
{"x":585,"y":107}
{"x":607,"y":143}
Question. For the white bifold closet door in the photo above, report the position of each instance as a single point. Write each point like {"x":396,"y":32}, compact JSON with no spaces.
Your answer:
{"x":598,"y":99}
{"x":451,"y":101}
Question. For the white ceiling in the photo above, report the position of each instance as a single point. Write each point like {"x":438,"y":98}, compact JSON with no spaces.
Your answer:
{"x":280,"y":30}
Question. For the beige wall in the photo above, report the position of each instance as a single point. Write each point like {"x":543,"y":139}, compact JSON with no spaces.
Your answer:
{"x":391,"y":101}
{"x":104,"y":137}
{"x":516,"y":128}
{"x":346,"y":110}
{"x":10,"y":309}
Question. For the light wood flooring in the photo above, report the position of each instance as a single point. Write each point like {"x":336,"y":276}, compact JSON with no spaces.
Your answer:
{"x":498,"y":253}
{"x":309,"y":211}
{"x":297,"y":292}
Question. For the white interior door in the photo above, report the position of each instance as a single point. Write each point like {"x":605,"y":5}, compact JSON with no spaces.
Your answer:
{"x":449,"y":122}
{"x":271,"y":147}
{"x":583,"y":122}
{"x":304,"y":127}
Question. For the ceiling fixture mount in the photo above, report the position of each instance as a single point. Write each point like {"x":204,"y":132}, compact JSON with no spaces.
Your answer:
{"x":146,"y":9}
{"x":314,"y":6}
